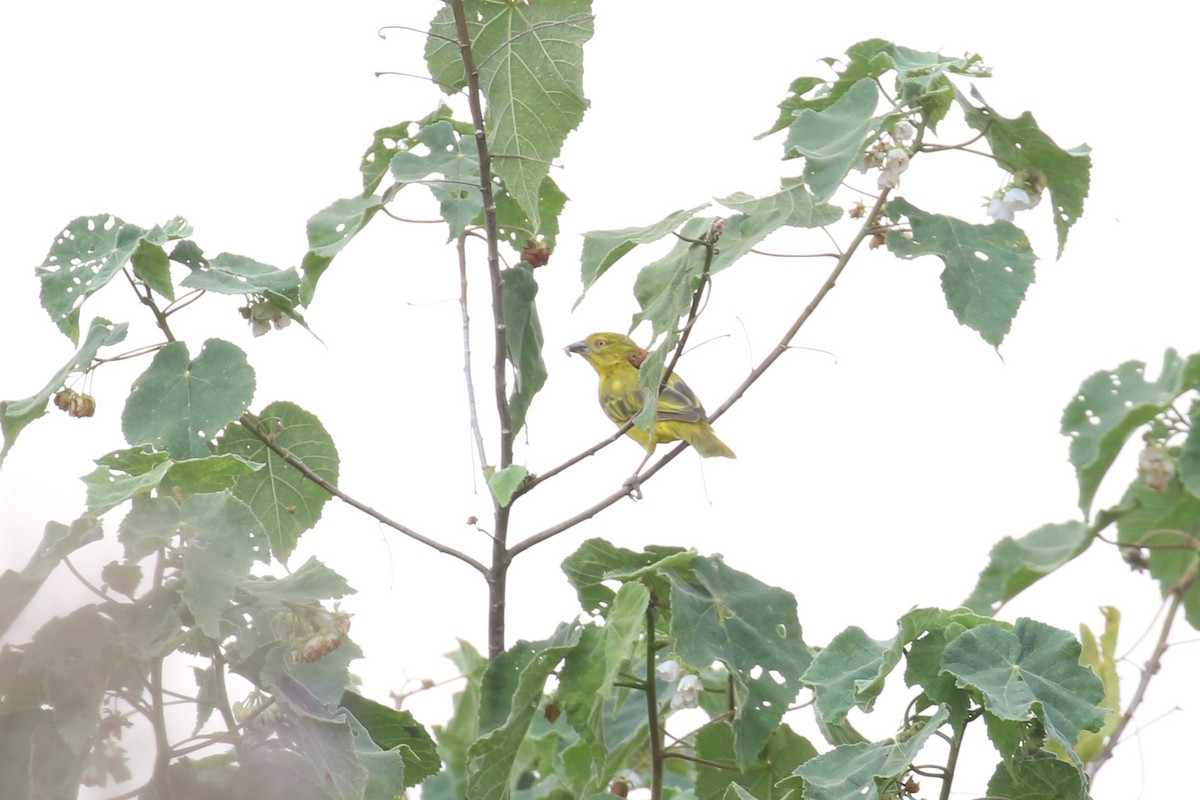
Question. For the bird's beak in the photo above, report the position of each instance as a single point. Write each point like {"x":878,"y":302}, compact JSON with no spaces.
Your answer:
{"x":577,"y":347}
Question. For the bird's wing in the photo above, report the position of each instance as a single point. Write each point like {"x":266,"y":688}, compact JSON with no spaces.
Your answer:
{"x":677,"y":401}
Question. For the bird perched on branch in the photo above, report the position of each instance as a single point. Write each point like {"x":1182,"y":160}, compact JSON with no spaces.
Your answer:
{"x":680,"y":416}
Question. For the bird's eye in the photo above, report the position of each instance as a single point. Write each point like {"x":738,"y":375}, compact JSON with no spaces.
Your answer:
{"x":600,"y":343}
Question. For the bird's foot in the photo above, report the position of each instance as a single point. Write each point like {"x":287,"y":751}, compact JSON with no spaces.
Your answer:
{"x":633,"y":486}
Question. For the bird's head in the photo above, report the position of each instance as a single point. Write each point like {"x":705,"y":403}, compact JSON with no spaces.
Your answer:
{"x":606,"y":350}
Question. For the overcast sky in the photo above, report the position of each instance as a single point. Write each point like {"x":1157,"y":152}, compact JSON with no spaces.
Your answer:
{"x":876,"y":469}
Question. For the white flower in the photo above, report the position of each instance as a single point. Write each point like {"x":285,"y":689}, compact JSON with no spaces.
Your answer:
{"x":889,"y":179}
{"x":1020,"y":200}
{"x":998,"y":209}
{"x":897,"y":160}
{"x":687,"y":692}
{"x":903,"y":130}
{"x":668,"y":671}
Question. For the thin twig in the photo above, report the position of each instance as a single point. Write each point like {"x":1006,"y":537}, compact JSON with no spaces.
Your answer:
{"x":252,"y":424}
{"x":466,"y":334}
{"x":1153,"y":664}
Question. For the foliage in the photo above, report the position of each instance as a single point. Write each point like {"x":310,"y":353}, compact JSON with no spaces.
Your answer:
{"x":209,"y":499}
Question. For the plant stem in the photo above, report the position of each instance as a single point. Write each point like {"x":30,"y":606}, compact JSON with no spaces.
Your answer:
{"x":497,"y":575}
{"x":951,"y":761}
{"x":466,"y":333}
{"x":653,"y":725}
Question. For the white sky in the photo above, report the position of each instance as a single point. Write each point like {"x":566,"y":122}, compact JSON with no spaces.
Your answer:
{"x":867,"y":482}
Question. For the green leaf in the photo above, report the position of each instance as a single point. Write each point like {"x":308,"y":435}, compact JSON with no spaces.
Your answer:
{"x":516,"y":227}
{"x":602,"y":249}
{"x":208,"y":474}
{"x":226,"y":273}
{"x":392,"y":728}
{"x":108,"y":488}
{"x":83,"y":259}
{"x":598,"y":561}
{"x":58,"y":542}
{"x":832,"y":139}
{"x":1024,"y":150}
{"x":919,"y":75}
{"x":16,"y":414}
{"x":456,"y":159}
{"x":530,"y":63}
{"x":492,"y":757}
{"x":849,"y":672}
{"x":1030,"y":671}
{"x":182,"y":405}
{"x":1110,"y":405}
{"x":222,"y":539}
{"x":988,"y":267}
{"x":331,"y":229}
{"x":523,"y":335}
{"x":377,"y":160}
{"x":505,"y":483}
{"x":785,"y":751}
{"x":594,"y":665}
{"x":1165,"y":522}
{"x":152,"y":266}
{"x":1039,"y":776}
{"x":795,"y":205}
{"x":861,"y":771}
{"x":311,"y":583}
{"x":287,"y":503}
{"x":1016,"y":564}
{"x":725,"y":615}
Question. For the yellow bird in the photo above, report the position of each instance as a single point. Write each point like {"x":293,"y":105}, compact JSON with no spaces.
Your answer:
{"x":680,"y":416}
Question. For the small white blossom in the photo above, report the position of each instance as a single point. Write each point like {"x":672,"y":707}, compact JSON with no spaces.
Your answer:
{"x":998,"y":209}
{"x":897,"y":160}
{"x":903,"y":130}
{"x":668,"y":671}
{"x":687,"y":692}
{"x":889,"y":179}
{"x":1020,"y":200}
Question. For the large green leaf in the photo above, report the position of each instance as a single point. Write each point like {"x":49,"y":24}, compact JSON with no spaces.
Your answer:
{"x":16,"y":414}
{"x":919,"y":74}
{"x":396,"y":729}
{"x":530,"y":62}
{"x":331,"y":229}
{"x":720,"y":614}
{"x":88,"y":253}
{"x":455,"y":157}
{"x":861,"y":771}
{"x":1023,"y":149}
{"x":832,"y":139}
{"x":1040,"y":776}
{"x":794,"y":205}
{"x":602,"y":249}
{"x":988,"y":267}
{"x":849,"y":671}
{"x":181,"y":405}
{"x":222,"y":538}
{"x":1110,"y":405}
{"x":491,"y":759}
{"x":287,"y":503}
{"x":597,"y":562}
{"x":1016,"y":564}
{"x":1165,"y":523}
{"x":523,"y":335}
{"x":1030,"y":671}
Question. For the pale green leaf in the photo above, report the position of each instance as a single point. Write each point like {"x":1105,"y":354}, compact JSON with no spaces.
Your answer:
{"x":58,"y":542}
{"x":795,"y":205}
{"x":724,"y":615}
{"x":1016,"y":564}
{"x":523,"y":336}
{"x":1031,"y":670}
{"x":849,"y":672}
{"x":602,"y":249}
{"x":16,"y":414}
{"x":287,"y":503}
{"x":832,"y":139}
{"x":1040,"y":776}
{"x":396,"y":729}
{"x":1023,"y":149}
{"x":505,"y":483}
{"x":331,"y":229}
{"x":107,"y":488}
{"x":181,"y":405}
{"x":1110,"y":405}
{"x":988,"y":268}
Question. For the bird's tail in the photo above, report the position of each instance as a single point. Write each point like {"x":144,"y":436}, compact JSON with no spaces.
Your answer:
{"x":706,"y":442}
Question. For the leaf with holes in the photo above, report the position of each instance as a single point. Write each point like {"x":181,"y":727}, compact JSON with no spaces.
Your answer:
{"x":180,"y":405}
{"x":988,"y":268}
{"x":88,"y":253}
{"x":1110,"y":405}
{"x":1022,"y":148}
